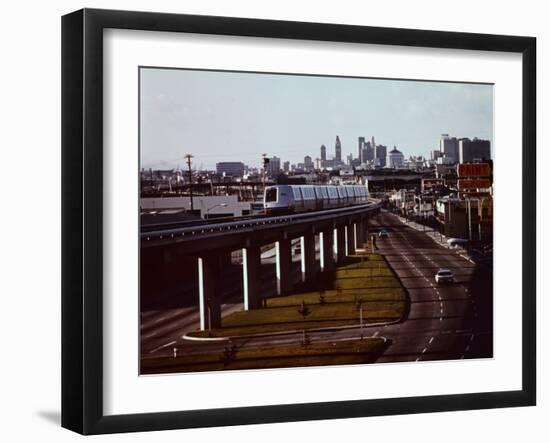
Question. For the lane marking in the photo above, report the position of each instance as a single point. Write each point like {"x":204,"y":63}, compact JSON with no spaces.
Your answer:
{"x":162,"y":347}
{"x":431,"y":340}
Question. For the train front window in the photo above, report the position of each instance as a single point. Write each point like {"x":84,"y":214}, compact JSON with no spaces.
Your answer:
{"x":271,"y":195}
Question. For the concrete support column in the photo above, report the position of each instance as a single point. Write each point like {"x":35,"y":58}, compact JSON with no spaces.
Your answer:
{"x":209,"y":270}
{"x":328,"y":250}
{"x":350,"y":237}
{"x":252,"y":267}
{"x":340,"y":244}
{"x":284,"y":266}
{"x":361,"y":232}
{"x":308,"y":257}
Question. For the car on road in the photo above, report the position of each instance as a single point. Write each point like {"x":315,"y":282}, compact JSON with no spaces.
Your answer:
{"x":444,"y":276}
{"x":383,"y":233}
{"x":454,"y":242}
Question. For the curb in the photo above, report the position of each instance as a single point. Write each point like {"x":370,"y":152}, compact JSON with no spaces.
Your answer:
{"x":294,"y":331}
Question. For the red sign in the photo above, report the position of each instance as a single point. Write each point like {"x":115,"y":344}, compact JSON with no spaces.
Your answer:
{"x":479,"y":183}
{"x":474,"y":170}
{"x":473,"y":194}
{"x":429,"y":183}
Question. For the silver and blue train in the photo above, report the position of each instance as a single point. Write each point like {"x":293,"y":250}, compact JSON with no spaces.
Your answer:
{"x":288,"y":199}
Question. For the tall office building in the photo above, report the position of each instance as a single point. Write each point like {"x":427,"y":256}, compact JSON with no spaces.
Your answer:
{"x":381,"y":153}
{"x":338,"y":150}
{"x":323,"y":152}
{"x":472,"y":151}
{"x":368,"y":152}
{"x":449,"y":148}
{"x":273,"y":167}
{"x":308,"y":163}
{"x":286,"y":166}
{"x":360,"y":147}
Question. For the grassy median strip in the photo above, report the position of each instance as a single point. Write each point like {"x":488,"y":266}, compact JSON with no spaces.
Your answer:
{"x":338,"y":296}
{"x":289,"y":318}
{"x":367,"y":290}
{"x":301,"y":354}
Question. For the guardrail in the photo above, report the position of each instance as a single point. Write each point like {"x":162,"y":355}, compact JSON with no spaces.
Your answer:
{"x":152,"y":227}
{"x":254,"y":222}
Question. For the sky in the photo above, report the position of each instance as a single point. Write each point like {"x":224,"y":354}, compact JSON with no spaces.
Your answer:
{"x":236,"y":116}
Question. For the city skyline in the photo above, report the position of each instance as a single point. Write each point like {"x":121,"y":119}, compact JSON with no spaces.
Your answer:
{"x":214,"y":115}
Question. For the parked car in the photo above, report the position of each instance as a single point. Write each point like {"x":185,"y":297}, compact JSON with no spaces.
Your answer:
{"x":383,"y":233}
{"x":444,"y":276}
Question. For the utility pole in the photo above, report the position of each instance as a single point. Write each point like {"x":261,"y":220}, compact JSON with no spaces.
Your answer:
{"x":469,"y":219}
{"x":265,"y":162}
{"x":188,"y":157}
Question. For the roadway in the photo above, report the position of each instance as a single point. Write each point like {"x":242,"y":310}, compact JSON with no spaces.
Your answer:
{"x":449,"y":321}
{"x":444,"y":322}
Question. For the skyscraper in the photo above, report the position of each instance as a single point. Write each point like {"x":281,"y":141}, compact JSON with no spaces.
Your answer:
{"x":308,"y":163}
{"x":449,"y":148}
{"x":323,"y":152}
{"x":273,"y":167}
{"x":368,"y":152}
{"x":338,"y":150}
{"x":475,"y":150}
{"x":360,"y":147}
{"x":286,"y":166}
{"x":381,"y":153}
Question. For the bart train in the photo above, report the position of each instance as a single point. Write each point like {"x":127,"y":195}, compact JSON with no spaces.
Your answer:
{"x":288,"y":199}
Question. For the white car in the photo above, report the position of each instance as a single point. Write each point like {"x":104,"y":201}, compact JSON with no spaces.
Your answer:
{"x":383,"y":233}
{"x":444,"y":276}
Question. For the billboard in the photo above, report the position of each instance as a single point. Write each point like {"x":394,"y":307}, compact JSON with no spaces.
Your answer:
{"x":474,"y":170}
{"x":430,"y":183}
{"x":477,"y":183}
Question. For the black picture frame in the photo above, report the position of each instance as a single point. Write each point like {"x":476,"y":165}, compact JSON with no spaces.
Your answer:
{"x":82,"y":218}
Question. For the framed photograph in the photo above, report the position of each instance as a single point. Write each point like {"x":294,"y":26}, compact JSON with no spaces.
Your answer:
{"x":268,"y":221}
